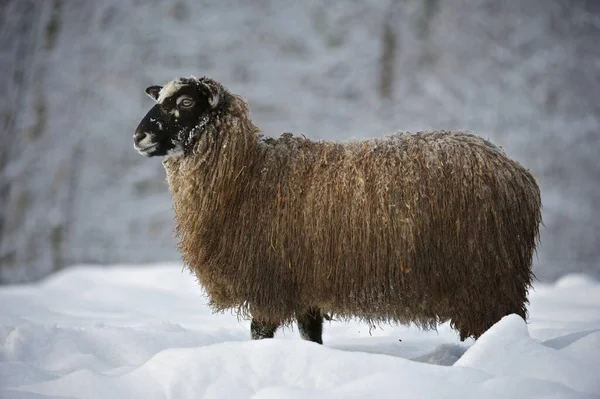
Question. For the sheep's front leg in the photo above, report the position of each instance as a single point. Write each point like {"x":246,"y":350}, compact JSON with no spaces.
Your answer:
{"x":310,"y":324}
{"x":262,"y":330}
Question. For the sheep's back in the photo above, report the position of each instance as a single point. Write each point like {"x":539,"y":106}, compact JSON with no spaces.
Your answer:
{"x":390,"y":227}
{"x":404,"y":228}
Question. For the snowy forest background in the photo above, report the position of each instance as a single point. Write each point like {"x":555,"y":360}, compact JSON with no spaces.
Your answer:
{"x":525,"y":74}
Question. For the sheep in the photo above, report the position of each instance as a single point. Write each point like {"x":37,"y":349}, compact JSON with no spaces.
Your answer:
{"x":409,"y":228}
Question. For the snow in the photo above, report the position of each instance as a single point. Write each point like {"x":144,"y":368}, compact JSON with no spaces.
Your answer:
{"x":146,"y":332}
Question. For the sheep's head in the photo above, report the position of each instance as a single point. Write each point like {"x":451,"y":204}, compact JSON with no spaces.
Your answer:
{"x":184,"y":107}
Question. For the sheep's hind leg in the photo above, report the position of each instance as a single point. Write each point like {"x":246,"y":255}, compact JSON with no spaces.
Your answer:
{"x":474,"y":325}
{"x":262,"y":330}
{"x":310,"y":324}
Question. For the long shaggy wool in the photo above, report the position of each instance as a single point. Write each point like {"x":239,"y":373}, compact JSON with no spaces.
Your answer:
{"x":419,"y":228}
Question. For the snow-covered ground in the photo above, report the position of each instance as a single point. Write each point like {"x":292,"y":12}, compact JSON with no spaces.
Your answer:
{"x":146,"y":332}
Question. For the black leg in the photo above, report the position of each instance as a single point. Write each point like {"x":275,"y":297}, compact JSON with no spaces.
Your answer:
{"x":310,"y":324}
{"x":260,"y":330}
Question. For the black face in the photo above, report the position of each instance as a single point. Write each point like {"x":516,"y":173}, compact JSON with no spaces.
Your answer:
{"x":173,"y":125}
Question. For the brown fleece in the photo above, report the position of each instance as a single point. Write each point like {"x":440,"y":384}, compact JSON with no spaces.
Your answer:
{"x":419,"y":228}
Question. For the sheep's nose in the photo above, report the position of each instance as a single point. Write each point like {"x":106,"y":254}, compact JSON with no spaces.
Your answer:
{"x":139,"y":136}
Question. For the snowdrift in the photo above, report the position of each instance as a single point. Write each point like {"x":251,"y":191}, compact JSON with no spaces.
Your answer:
{"x":146,"y":332}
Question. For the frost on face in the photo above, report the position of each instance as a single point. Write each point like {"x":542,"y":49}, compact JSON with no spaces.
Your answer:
{"x":157,"y":123}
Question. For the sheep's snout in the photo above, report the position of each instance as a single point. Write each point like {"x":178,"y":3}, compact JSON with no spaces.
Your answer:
{"x":139,"y":137}
{"x":153,"y":136}
{"x":142,"y":142}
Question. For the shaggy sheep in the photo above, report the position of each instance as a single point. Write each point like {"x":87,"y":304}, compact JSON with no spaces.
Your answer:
{"x":419,"y":228}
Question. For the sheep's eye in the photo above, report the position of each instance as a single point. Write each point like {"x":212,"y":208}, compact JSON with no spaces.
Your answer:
{"x":186,"y":103}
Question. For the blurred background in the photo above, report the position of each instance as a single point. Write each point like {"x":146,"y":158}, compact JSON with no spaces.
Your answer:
{"x":525,"y":74}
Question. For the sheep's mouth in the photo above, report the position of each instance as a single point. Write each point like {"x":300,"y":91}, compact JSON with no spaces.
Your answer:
{"x":145,"y":151}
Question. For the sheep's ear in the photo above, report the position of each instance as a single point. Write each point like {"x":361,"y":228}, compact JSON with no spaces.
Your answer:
{"x":211,"y":90}
{"x":153,"y":91}
{"x":213,"y":99}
